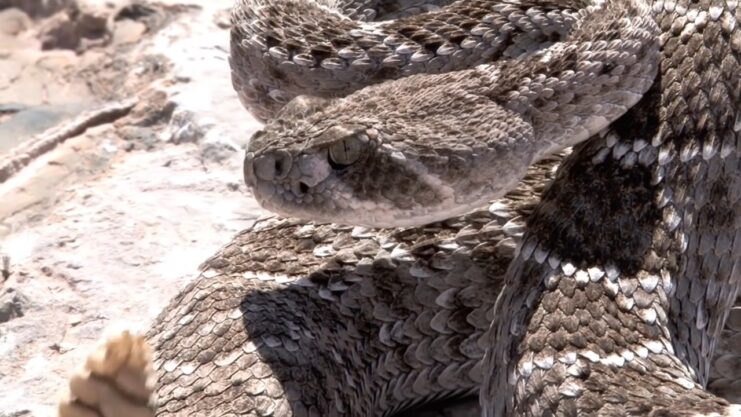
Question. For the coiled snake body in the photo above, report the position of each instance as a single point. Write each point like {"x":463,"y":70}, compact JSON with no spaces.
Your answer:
{"x":613,"y":276}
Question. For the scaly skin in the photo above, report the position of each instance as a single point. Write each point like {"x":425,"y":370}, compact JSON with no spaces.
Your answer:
{"x":629,"y":268}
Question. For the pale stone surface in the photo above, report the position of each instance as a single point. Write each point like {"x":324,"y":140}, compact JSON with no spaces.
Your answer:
{"x":102,"y":231}
{"x":37,"y":8}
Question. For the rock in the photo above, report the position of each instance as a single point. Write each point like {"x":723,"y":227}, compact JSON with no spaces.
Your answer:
{"x":185,"y":128}
{"x":12,"y":305}
{"x":216,"y":146}
{"x":76,"y":29}
{"x":4,"y":267}
{"x":155,"y":107}
{"x":13,"y":21}
{"x":131,"y":21}
{"x":138,"y":137}
{"x":33,"y":77}
{"x":8,"y":110}
{"x":16,"y":413}
{"x":222,"y":19}
{"x":146,"y":14}
{"x":37,"y":8}
{"x":30,"y":121}
{"x":128,"y":31}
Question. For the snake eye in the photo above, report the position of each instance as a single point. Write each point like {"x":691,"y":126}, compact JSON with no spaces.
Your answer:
{"x":346,"y":151}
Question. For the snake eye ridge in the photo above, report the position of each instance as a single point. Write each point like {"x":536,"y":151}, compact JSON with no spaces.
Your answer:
{"x":346,"y":151}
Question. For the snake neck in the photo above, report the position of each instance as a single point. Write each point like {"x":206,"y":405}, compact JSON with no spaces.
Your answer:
{"x":616,"y":299}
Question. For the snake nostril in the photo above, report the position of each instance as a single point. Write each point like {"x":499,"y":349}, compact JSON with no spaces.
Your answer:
{"x":273,"y":166}
{"x":282,"y":164}
{"x":279,"y":168}
{"x":303,"y":187}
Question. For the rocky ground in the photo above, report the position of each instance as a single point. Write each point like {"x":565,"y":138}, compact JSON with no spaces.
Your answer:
{"x":101,"y":230}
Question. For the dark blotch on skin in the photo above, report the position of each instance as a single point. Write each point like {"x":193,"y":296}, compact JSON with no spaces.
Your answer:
{"x":616,"y":228}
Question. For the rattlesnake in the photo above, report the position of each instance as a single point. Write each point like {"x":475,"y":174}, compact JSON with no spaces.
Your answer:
{"x":614,"y":298}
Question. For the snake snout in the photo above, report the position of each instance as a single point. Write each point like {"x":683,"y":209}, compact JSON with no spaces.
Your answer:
{"x":268,"y":167}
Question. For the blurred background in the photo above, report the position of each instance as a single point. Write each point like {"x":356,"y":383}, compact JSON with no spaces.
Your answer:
{"x":120,"y":171}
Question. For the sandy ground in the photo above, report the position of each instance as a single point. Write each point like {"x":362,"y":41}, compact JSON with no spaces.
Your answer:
{"x":102,"y":231}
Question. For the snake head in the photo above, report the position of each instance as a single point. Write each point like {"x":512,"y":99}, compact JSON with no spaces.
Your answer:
{"x":369,"y":160}
{"x":315,"y":174}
